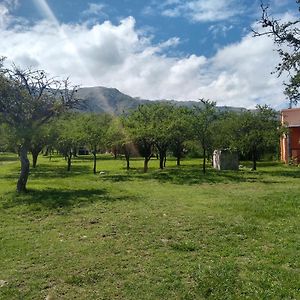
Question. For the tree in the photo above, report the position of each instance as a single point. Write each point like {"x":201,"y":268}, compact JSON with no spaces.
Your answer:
{"x":70,"y":136}
{"x":257,"y":132}
{"x":181,"y":131}
{"x":95,"y":127}
{"x":286,"y":36}
{"x":162,"y":121}
{"x":39,"y":140}
{"x":29,"y":99}
{"x":202,"y":122}
{"x":139,"y":127}
{"x":226,"y":131}
{"x":118,"y":138}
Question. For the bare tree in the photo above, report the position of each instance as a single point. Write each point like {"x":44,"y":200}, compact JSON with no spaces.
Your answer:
{"x":29,"y":99}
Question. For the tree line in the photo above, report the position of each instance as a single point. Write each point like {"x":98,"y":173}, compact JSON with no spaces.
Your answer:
{"x":37,"y":113}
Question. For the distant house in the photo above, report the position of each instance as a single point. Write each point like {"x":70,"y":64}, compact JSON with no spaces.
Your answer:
{"x":290,"y":141}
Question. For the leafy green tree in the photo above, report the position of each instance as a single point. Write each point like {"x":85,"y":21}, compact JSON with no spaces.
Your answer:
{"x":286,"y":36}
{"x":203,"y":119}
{"x":29,"y":99}
{"x":226,"y":131}
{"x":118,"y":138}
{"x":162,"y":125}
{"x":42,"y":138}
{"x":181,"y":131}
{"x":70,"y":136}
{"x":140,"y":129}
{"x":258,"y":131}
{"x":95,"y":127}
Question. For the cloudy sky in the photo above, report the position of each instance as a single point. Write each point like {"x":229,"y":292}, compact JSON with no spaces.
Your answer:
{"x":155,"y":49}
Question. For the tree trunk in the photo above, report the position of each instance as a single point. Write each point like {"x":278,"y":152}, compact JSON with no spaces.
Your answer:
{"x":69,"y":158}
{"x":161,"y":162}
{"x":204,"y":161}
{"x":162,"y":155}
{"x":146,"y":160}
{"x":127,"y":157}
{"x":21,"y":185}
{"x":254,"y":158}
{"x":178,"y":161}
{"x":95,"y":161}
{"x":35,"y":151}
{"x":34,"y":158}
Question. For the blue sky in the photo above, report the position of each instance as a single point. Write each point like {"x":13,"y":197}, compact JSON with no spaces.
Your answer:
{"x":172,"y":49}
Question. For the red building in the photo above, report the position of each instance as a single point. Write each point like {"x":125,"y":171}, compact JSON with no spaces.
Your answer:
{"x":290,"y":141}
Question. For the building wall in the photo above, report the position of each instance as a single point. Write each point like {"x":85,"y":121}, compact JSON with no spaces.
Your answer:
{"x":290,"y":142}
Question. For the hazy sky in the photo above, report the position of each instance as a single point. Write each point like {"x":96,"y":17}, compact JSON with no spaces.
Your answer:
{"x":172,"y":49}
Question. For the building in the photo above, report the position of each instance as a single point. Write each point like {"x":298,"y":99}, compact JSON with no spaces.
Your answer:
{"x":290,"y":141}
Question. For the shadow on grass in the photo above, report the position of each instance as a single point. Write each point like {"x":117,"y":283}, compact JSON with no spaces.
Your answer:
{"x":291,"y":172}
{"x":184,"y":175}
{"x":58,"y":199}
{"x":192,"y":174}
{"x":48,"y":171}
{"x":4,"y":157}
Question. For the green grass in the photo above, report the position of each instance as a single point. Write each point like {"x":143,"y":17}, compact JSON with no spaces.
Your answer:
{"x":171,"y":234}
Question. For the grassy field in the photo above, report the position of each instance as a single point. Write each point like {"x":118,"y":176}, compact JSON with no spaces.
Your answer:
{"x":171,"y":234}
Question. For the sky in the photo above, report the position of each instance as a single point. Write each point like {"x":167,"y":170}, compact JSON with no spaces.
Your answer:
{"x":167,"y":49}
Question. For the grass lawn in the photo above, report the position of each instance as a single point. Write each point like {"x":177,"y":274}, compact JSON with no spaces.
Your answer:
{"x":171,"y":234}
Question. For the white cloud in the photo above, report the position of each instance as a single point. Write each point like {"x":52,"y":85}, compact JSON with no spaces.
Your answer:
{"x":220,"y":29}
{"x":6,"y":6}
{"x":202,"y":10}
{"x":94,"y":9}
{"x":121,"y":56}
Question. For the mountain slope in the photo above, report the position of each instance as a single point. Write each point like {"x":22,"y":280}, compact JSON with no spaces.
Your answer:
{"x":110,"y":100}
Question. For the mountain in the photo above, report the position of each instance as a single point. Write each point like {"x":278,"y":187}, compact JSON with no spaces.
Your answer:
{"x":102,"y":99}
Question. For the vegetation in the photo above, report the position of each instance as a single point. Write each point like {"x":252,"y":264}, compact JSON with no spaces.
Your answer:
{"x":138,"y":231}
{"x":29,"y":99}
{"x":165,"y":234}
{"x":286,"y":36}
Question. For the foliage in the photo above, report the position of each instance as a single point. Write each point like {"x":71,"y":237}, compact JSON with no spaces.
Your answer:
{"x":286,"y":36}
{"x":203,"y":120}
{"x":257,"y":132}
{"x":29,"y":99}
{"x":181,"y":131}
{"x":140,"y":129}
{"x":70,"y":136}
{"x":94,"y":130}
{"x":7,"y":138}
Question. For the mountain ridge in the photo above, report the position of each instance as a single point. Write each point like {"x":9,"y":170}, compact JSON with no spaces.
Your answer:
{"x":99,"y":99}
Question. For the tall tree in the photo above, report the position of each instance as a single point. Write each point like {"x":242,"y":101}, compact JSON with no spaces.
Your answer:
{"x":39,"y":140}
{"x":29,"y":99}
{"x":70,"y":136}
{"x":181,"y":131}
{"x":119,"y":138}
{"x":202,"y":122}
{"x":95,"y":127}
{"x":139,"y":127}
{"x":286,"y":36}
{"x":162,"y":122}
{"x":258,"y":132}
